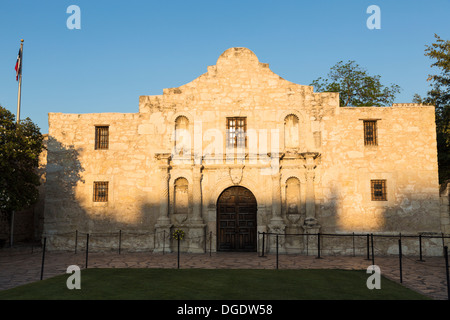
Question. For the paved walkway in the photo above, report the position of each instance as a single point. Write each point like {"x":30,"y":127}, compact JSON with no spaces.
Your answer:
{"x":23,"y":265}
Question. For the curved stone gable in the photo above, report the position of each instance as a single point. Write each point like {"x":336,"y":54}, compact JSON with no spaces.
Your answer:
{"x":238,"y":78}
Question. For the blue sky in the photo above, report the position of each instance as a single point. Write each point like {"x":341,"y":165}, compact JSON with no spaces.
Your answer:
{"x":125,"y":49}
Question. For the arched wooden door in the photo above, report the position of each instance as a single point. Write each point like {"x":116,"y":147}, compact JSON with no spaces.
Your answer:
{"x":236,"y":220}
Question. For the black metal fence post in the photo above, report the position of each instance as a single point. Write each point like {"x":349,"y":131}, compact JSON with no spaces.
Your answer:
{"x":307,"y":243}
{"x":277,"y":251}
{"x":420,"y":248}
{"x":318,"y":245}
{"x":210,"y":243}
{"x":87,"y":249}
{"x":263,"y":244}
{"x":120,"y":239}
{"x":205,"y":242}
{"x":353,"y":240}
{"x":400,"y":258}
{"x":43,"y":258}
{"x":164,"y":240}
{"x":368,"y":253}
{"x":373,"y":256}
{"x":178,"y":253}
{"x":446,"y":271}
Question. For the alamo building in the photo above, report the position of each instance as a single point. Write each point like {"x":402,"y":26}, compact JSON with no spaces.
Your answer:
{"x":237,"y":152}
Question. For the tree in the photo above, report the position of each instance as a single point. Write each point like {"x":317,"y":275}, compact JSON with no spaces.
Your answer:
{"x":20,"y":147}
{"x":439,"y":96}
{"x":355,"y":86}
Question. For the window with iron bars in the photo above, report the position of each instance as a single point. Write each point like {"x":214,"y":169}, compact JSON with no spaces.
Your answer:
{"x":378,"y":190}
{"x":101,"y":137}
{"x":101,"y":191}
{"x":236,"y":132}
{"x":370,"y":132}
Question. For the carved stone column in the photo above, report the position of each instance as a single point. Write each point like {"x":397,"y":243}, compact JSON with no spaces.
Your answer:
{"x":164,"y":198}
{"x":276,"y":198}
{"x":310,"y":204}
{"x":311,"y":225}
{"x":196,"y":233}
{"x":310,"y":193}
{"x":197,"y":194}
{"x":163,"y":224}
{"x":276,"y":224}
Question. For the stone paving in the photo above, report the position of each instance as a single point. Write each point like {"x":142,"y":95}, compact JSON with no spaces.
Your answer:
{"x":21,"y":266}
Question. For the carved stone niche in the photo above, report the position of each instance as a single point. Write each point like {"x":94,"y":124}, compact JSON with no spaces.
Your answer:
{"x":291,"y":132}
{"x":317,"y":139}
{"x":293,"y":203}
{"x":181,"y":200}
{"x":293,"y":214}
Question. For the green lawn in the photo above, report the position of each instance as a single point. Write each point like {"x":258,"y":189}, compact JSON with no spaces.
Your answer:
{"x":213,"y":284}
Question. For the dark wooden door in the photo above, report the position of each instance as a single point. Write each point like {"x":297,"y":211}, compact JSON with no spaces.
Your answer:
{"x":236,"y":220}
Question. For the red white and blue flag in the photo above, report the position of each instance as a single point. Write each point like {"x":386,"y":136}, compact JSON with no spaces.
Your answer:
{"x":19,"y":65}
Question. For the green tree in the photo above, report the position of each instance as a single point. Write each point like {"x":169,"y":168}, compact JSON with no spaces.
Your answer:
{"x":355,"y":86}
{"x":20,"y":147}
{"x":439,"y":96}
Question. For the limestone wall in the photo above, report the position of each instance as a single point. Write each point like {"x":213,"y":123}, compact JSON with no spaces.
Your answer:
{"x":73,"y":165}
{"x":445,"y":207}
{"x":405,"y":157}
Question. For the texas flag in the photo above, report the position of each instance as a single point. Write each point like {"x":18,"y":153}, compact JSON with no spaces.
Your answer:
{"x":19,"y":64}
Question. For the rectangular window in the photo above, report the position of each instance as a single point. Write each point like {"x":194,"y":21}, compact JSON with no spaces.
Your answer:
{"x":236,"y":132}
{"x":378,"y":190}
{"x":101,"y":137}
{"x":370,"y":132}
{"x":101,"y":191}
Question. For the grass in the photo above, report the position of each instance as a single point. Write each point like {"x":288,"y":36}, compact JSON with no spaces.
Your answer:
{"x":213,"y":284}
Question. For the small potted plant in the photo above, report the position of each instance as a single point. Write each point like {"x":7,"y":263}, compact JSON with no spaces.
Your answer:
{"x":178,"y":234}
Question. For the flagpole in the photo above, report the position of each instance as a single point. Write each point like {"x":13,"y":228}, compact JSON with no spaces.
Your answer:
{"x":20,"y":82}
{"x":17,"y":121}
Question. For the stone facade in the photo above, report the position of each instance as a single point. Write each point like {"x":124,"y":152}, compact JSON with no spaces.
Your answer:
{"x":304,"y":159}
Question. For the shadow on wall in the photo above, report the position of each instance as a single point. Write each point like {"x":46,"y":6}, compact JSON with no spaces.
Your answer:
{"x":69,"y":206}
{"x":352,"y":211}
{"x":68,"y":210}
{"x":444,"y":194}
{"x":63,"y":165}
{"x":63,"y":173}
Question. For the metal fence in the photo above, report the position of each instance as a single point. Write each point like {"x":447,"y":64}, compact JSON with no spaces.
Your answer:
{"x":346,"y":244}
{"x":354,"y":244}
